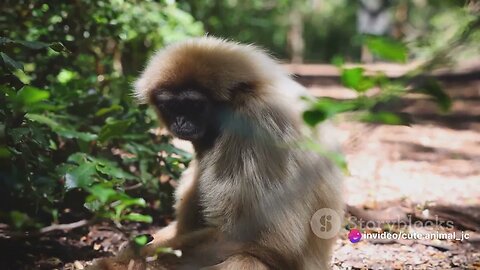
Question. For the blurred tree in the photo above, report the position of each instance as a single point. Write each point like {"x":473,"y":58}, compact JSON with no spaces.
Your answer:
{"x":295,"y":41}
{"x":322,"y":30}
{"x":315,"y":30}
{"x":373,"y":18}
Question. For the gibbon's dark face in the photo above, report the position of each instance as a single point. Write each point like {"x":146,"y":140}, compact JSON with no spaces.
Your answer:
{"x":188,"y":113}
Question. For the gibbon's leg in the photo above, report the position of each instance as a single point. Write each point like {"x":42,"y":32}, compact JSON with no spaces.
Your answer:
{"x":110,"y":264}
{"x":236,"y":262}
{"x":251,"y":256}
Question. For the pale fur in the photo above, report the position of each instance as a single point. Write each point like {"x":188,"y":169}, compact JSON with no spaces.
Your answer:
{"x":256,"y":184}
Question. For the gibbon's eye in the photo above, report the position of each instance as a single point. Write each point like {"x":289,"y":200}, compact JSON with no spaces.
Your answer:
{"x":162,"y":97}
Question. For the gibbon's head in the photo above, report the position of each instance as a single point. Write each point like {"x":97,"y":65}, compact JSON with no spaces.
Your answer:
{"x":192,"y":83}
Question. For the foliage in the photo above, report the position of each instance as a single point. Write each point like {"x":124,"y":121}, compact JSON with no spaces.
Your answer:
{"x":368,"y":107}
{"x":72,"y":140}
{"x":436,"y":25}
{"x":262,"y":22}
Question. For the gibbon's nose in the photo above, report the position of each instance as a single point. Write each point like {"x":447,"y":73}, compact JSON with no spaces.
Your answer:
{"x":181,"y":121}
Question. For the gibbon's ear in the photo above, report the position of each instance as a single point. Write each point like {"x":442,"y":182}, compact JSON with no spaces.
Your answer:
{"x":243,"y":91}
{"x":244,"y":87}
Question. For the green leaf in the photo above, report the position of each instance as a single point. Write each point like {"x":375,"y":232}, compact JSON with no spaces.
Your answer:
{"x":92,"y":204}
{"x":171,"y":149}
{"x":142,"y":240}
{"x":113,"y":108}
{"x":325,"y":108}
{"x":30,"y":95}
{"x":101,"y":193}
{"x":71,"y":134}
{"x":42,"y":119}
{"x":383,"y":118}
{"x":313,"y":117}
{"x":138,"y":217}
{"x":78,"y":158}
{"x":355,"y":79}
{"x":128,"y":201}
{"x":19,"y":219}
{"x":29,"y":44}
{"x":140,"y":149}
{"x":352,"y":77}
{"x":36,"y":45}
{"x":61,"y":130}
{"x":10,"y":62}
{"x":110,"y":169}
{"x":4,"y":152}
{"x":58,"y":47}
{"x":65,"y":76}
{"x":125,"y":202}
{"x":387,"y":49}
{"x":113,"y":129}
{"x":82,"y":176}
{"x":432,"y":88}
{"x":338,"y":61}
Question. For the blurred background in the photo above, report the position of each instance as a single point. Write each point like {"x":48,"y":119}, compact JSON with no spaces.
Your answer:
{"x":84,"y":169}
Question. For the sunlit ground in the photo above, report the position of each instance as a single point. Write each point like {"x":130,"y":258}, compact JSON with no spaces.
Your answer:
{"x":398,"y":170}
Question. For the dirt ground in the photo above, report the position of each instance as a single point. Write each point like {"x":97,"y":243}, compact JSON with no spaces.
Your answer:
{"x":424,"y":172}
{"x":428,"y":169}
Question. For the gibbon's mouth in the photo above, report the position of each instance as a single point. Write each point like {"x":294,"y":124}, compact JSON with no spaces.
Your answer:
{"x":188,"y":134}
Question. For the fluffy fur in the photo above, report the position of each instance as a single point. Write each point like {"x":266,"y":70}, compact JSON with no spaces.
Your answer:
{"x":248,"y":199}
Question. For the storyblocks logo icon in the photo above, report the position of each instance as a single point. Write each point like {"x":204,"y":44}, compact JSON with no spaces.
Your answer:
{"x":326,"y":223}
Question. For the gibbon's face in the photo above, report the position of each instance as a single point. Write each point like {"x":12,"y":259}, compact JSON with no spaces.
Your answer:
{"x":188,"y":113}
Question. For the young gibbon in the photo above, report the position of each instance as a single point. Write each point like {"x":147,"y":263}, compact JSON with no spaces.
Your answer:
{"x":248,"y":198}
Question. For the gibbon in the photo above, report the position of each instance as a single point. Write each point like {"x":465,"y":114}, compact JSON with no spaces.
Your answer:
{"x":248,"y":199}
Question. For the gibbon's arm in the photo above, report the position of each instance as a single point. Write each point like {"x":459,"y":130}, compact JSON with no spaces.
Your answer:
{"x":187,"y":211}
{"x":175,"y":234}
